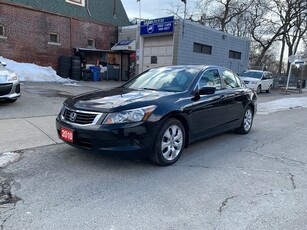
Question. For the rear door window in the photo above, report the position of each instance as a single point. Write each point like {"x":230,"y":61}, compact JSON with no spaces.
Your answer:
{"x":230,"y":80}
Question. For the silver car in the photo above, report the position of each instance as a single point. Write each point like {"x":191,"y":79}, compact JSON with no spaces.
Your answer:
{"x":9,"y":84}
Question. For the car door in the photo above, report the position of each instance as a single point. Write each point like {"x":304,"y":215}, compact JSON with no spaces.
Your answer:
{"x":265,"y":81}
{"x":235,"y":94}
{"x":207,"y":114}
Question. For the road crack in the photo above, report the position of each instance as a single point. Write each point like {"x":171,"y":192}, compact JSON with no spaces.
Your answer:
{"x":284,"y":160}
{"x":3,"y":222}
{"x":224,"y":203}
{"x":292,"y":180}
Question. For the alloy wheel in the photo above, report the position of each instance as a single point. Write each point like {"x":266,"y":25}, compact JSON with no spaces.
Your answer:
{"x":248,"y":119}
{"x":172,"y":142}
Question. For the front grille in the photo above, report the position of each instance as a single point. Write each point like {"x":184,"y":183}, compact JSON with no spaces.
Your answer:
{"x":82,"y":118}
{"x":246,"y":82}
{"x":5,"y":88}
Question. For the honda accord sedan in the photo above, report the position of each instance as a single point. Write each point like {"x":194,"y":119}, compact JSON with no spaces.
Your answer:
{"x":159,"y":112}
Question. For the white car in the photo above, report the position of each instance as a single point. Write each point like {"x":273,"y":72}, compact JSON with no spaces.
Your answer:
{"x":258,"y":80}
{"x":9,"y":84}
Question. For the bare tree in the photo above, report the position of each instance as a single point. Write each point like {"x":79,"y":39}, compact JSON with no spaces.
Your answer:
{"x":224,"y":14}
{"x":293,"y":16}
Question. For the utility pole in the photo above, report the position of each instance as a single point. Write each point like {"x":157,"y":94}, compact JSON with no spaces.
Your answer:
{"x":184,"y":16}
{"x":139,"y":49}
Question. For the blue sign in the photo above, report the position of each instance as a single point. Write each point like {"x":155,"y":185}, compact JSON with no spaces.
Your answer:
{"x":299,"y":62}
{"x":156,"y":26}
{"x":124,"y":43}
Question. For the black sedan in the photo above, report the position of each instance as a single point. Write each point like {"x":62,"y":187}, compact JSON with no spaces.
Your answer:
{"x":159,"y":112}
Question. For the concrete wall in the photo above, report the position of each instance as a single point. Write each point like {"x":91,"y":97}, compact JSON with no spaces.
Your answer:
{"x":221,"y":44}
{"x":27,"y":35}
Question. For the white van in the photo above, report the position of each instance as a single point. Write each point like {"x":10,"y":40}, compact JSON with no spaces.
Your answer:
{"x":258,"y":80}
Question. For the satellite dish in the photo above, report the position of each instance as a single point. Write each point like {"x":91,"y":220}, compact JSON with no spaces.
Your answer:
{"x":292,"y":58}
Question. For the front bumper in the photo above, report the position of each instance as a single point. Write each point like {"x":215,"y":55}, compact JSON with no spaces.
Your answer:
{"x":136,"y":137}
{"x":10,"y":90}
{"x":252,"y":86}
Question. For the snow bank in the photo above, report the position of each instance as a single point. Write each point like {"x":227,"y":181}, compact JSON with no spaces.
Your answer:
{"x":33,"y":72}
{"x":281,"y":105}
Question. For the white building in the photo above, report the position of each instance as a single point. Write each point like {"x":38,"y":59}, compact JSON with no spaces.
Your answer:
{"x":166,"y":41}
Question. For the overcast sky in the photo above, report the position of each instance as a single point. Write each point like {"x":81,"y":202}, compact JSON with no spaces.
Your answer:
{"x":152,"y":8}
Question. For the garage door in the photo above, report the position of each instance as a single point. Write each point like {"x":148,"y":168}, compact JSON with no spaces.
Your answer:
{"x":158,"y":51}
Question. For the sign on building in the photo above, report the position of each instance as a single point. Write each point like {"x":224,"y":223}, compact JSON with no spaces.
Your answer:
{"x":157,"y":26}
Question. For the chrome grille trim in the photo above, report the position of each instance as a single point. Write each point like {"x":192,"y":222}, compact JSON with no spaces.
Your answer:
{"x":83,"y":118}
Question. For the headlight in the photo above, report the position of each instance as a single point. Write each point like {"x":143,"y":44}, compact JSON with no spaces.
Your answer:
{"x":134,"y":115}
{"x":12,"y":77}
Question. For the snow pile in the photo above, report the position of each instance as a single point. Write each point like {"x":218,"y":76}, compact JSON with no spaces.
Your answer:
{"x":32,"y":72}
{"x":281,"y":105}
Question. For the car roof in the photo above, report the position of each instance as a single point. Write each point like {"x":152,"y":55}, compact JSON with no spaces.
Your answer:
{"x":256,"y":70}
{"x":200,"y":67}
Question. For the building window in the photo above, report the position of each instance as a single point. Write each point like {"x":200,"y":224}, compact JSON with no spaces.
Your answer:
{"x":201,"y":48}
{"x":91,"y":43}
{"x":76,"y":2}
{"x":54,"y":38}
{"x":153,"y":60}
{"x":234,"y":54}
{"x":2,"y":32}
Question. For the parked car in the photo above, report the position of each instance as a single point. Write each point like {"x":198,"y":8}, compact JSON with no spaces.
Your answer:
{"x":9,"y":84}
{"x":258,"y":80}
{"x":159,"y":112}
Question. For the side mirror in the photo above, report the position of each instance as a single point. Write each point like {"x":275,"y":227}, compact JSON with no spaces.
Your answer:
{"x":203,"y":91}
{"x":206,"y":90}
{"x":2,"y":63}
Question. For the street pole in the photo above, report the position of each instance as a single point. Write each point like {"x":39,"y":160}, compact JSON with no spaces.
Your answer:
{"x":140,"y":42}
{"x":184,"y":16}
{"x":289,"y":74}
{"x":139,"y":1}
{"x":301,"y":80}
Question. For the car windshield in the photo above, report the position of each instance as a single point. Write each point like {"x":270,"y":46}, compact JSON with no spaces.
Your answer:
{"x":173,"y":79}
{"x":252,"y":74}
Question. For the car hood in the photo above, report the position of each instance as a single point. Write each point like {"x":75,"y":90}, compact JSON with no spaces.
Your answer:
{"x":249,"y":79}
{"x":4,"y":70}
{"x":115,"y":99}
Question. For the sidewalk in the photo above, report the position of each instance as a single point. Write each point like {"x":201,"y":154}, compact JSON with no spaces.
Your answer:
{"x":24,"y":132}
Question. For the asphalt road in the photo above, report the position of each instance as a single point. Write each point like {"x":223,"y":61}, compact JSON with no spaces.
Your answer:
{"x":254,"y":181}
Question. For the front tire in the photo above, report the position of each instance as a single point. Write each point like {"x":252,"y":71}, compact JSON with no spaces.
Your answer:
{"x":169,"y":144}
{"x":247,"y":121}
{"x":258,"y":90}
{"x":10,"y":100}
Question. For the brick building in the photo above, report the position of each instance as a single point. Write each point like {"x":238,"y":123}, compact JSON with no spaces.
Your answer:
{"x":40,"y":31}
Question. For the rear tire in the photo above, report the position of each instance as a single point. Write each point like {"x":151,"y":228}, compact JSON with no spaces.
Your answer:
{"x":269,"y":89}
{"x":247,"y":121}
{"x":169,"y":144}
